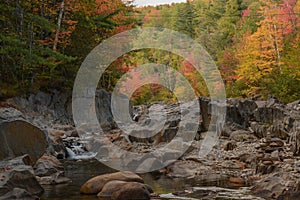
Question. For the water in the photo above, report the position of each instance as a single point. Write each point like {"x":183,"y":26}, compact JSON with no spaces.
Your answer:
{"x":79,"y":171}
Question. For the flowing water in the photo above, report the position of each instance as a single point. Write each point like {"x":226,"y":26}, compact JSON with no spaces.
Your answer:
{"x":79,"y":171}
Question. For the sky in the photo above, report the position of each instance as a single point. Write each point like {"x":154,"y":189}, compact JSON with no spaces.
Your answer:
{"x":155,"y":2}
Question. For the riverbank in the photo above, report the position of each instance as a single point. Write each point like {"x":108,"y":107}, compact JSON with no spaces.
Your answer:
{"x":259,"y":145}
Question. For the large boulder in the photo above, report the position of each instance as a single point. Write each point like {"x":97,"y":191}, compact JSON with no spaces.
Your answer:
{"x":95,"y":185}
{"x":133,"y":191}
{"x":49,"y":170}
{"x":117,"y":186}
{"x":18,"y":137}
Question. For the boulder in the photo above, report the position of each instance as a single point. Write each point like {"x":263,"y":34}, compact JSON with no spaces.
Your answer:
{"x":17,"y":173}
{"x":47,"y":165}
{"x":114,"y":186}
{"x":49,"y":170}
{"x":18,"y":193}
{"x":269,"y":188}
{"x":19,"y":137}
{"x":95,"y":185}
{"x":132,"y":191}
{"x":111,"y":187}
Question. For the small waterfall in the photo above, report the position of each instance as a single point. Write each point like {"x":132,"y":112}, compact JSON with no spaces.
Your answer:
{"x":76,"y":149}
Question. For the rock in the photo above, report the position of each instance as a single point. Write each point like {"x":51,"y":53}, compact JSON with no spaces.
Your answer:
{"x":49,"y":170}
{"x":133,"y":191}
{"x":103,"y":109}
{"x":47,"y":165}
{"x":269,"y":112}
{"x":114,"y":186}
{"x":205,"y":112}
{"x":267,"y":162}
{"x":18,"y":193}
{"x":269,"y":188}
{"x":95,"y":185}
{"x":229,"y":146}
{"x":53,"y":179}
{"x":295,"y":140}
{"x":9,"y":114}
{"x":57,"y":147}
{"x":111,"y":187}
{"x":149,"y":165}
{"x":259,"y":130}
{"x":237,"y":181}
{"x":20,"y":137}
{"x":241,"y":135}
{"x":240,"y":112}
{"x":15,"y":174}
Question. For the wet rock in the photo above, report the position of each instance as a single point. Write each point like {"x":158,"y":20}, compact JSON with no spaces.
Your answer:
{"x":131,"y":190}
{"x":18,"y":193}
{"x":53,"y":179}
{"x":111,"y":187}
{"x":114,"y":186}
{"x":20,"y":137}
{"x":57,"y":147}
{"x":95,"y":185}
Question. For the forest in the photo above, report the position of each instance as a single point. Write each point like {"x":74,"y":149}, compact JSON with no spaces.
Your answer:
{"x":254,"y":43}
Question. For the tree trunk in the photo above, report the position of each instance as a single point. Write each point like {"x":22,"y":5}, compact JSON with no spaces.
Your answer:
{"x":61,"y":12}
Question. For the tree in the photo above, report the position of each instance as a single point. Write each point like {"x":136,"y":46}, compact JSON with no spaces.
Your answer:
{"x":185,"y":19}
{"x":260,"y":53}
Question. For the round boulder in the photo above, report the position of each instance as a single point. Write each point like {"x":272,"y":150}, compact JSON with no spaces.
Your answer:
{"x":95,"y":185}
{"x":133,"y":191}
{"x":20,"y":137}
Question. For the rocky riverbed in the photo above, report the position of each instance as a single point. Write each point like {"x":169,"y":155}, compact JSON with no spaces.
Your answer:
{"x":257,"y":155}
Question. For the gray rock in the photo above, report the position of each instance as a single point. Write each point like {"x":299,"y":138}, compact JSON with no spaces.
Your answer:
{"x":241,"y":135}
{"x":47,"y":165}
{"x":8,"y":114}
{"x":16,"y":174}
{"x":18,"y":193}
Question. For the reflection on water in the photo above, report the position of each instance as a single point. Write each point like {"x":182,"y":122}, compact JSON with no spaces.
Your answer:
{"x":81,"y":171}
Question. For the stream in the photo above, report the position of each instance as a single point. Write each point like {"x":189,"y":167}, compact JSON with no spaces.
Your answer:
{"x":79,"y":171}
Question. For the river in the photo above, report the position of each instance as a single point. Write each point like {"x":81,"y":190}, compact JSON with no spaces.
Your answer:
{"x":80,"y":171}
